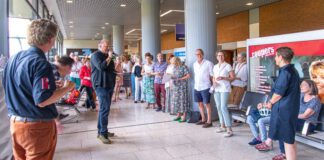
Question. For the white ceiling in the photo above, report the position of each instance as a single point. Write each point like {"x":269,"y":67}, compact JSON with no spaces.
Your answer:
{"x":89,"y":16}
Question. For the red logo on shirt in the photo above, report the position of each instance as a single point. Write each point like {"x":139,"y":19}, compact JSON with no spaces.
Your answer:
{"x":45,"y":83}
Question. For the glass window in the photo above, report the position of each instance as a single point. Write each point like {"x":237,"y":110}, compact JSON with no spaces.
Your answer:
{"x":21,"y":9}
{"x":17,"y":35}
{"x":40,"y":9}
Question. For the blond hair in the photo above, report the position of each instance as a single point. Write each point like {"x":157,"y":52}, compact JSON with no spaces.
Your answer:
{"x":316,"y":67}
{"x":40,"y":31}
{"x":176,"y":61}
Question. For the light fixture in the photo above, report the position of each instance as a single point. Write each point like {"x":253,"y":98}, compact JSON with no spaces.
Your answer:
{"x":168,"y":25}
{"x":169,"y":11}
{"x":123,"y":5}
{"x":71,"y":26}
{"x":69,"y":1}
{"x":106,"y":23}
{"x":217,"y":13}
{"x":71,"y":22}
{"x":249,"y":4}
{"x":133,"y":31}
{"x":103,"y":27}
{"x":164,"y":30}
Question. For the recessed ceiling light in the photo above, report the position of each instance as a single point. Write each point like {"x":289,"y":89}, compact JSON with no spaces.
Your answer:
{"x":249,"y":4}
{"x":123,"y":5}
{"x":106,"y":23}
{"x":217,"y":13}
{"x":71,"y":26}
{"x":103,"y":27}
{"x":69,"y":1}
{"x":71,"y":22}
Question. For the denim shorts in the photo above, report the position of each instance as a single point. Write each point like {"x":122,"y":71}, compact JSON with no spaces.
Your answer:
{"x":202,"y":96}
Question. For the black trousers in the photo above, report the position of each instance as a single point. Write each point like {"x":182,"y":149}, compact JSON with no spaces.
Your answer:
{"x":89,"y":101}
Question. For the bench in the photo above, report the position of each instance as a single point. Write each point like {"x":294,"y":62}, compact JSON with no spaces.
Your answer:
{"x":313,"y":139}
{"x":249,"y":99}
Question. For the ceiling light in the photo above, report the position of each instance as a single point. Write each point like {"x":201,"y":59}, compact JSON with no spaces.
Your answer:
{"x":249,"y":4}
{"x":168,"y":25}
{"x":123,"y":5}
{"x":71,"y":26}
{"x":217,"y":13}
{"x":164,"y":30}
{"x":69,"y":1}
{"x":169,"y":11}
{"x":103,"y":27}
{"x":71,"y":22}
{"x":133,"y":31}
{"x":106,"y":23}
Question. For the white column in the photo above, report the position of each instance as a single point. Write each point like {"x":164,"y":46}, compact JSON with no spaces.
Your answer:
{"x":200,"y":26}
{"x":118,"y":39}
{"x":150,"y":17}
{"x":4,"y":44}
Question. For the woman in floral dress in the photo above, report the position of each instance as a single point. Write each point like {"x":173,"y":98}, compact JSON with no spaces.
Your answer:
{"x":180,"y":97}
{"x":148,"y":81}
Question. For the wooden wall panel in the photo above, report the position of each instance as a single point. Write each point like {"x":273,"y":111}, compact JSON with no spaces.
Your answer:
{"x":288,"y":16}
{"x":168,"y":41}
{"x":233,"y":28}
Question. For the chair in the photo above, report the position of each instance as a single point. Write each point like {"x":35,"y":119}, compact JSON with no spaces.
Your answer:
{"x":314,"y":139}
{"x":249,"y":99}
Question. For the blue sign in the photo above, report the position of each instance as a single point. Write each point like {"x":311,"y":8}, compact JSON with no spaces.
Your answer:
{"x":180,"y":54}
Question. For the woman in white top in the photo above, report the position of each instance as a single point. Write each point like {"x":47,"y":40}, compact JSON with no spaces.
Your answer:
{"x":168,"y":85}
{"x":148,"y":81}
{"x":223,"y":75}
{"x":74,"y":76}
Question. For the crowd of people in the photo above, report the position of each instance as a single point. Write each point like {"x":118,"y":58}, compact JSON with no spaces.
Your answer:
{"x":33,"y":85}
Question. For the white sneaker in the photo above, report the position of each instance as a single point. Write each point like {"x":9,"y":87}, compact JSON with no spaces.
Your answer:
{"x":228,"y":134}
{"x":220,"y":130}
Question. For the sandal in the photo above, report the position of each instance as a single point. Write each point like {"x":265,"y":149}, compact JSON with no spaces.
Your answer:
{"x":263,"y":147}
{"x":280,"y":156}
{"x":182,"y":120}
{"x":177,"y":119}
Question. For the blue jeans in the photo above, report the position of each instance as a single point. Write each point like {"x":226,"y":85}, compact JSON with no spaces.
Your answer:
{"x":221,"y":99}
{"x":262,"y":122}
{"x":104,"y":97}
{"x":133,"y":85}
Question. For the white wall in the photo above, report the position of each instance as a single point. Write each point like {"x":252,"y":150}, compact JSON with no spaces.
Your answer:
{"x":79,"y":44}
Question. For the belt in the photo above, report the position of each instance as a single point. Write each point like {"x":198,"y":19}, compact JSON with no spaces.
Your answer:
{"x":26,"y":119}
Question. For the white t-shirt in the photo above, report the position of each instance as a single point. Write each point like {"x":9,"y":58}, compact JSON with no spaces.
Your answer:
{"x":240,"y":72}
{"x":223,"y":71}
{"x":76,"y":67}
{"x":148,"y":68}
{"x":127,"y":66}
{"x":169,"y":70}
{"x":202,"y":74}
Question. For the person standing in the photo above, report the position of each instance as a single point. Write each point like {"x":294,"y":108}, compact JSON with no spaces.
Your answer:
{"x":85,"y":75}
{"x":159,"y":69}
{"x":240,"y":82}
{"x":180,"y":97}
{"x":284,"y":104}
{"x":223,"y":75}
{"x":74,"y":76}
{"x":119,"y":78}
{"x":103,"y":78}
{"x":139,"y":97}
{"x":30,"y":94}
{"x":203,"y":72}
{"x":127,"y":68}
{"x":148,"y":81}
{"x":168,"y":88}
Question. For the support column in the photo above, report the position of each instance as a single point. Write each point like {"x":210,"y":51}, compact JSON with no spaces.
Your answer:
{"x":151,"y":32}
{"x":200,"y":26}
{"x":4,"y":43}
{"x":118,"y":39}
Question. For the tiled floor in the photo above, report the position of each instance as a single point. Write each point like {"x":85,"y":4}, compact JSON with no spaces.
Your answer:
{"x":147,"y":135}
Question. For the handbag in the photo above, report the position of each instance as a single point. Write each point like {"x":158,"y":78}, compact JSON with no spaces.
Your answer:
{"x":255,"y":114}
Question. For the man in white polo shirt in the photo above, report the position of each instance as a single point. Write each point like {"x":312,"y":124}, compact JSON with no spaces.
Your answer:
{"x":203,"y":71}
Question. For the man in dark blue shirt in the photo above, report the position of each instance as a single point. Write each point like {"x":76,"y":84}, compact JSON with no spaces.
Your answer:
{"x":30,"y":94}
{"x":103,"y":76}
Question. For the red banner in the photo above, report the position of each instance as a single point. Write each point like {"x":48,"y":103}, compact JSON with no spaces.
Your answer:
{"x":301,"y":48}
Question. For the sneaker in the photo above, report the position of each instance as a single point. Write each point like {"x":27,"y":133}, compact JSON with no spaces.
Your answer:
{"x":104,"y":139}
{"x":254,"y":142}
{"x":220,"y":130}
{"x":200,"y":122}
{"x":62,"y":116}
{"x":159,"y":109}
{"x":111,"y":134}
{"x":135,"y":101}
{"x":207,"y":125}
{"x":142,"y":101}
{"x":228,"y":134}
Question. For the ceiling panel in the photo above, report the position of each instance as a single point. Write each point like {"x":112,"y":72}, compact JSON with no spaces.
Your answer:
{"x":89,"y":16}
